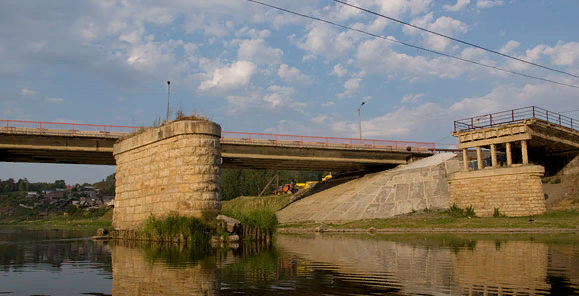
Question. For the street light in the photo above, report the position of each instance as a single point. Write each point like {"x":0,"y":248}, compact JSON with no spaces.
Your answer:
{"x":360,"y":122}
{"x":168,"y":96}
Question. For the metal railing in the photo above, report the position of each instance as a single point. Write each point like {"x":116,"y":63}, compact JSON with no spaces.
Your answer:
{"x":514,"y":116}
{"x":60,"y":128}
{"x":114,"y":131}
{"x":327,"y":142}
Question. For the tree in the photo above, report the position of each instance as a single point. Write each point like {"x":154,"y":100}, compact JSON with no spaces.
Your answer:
{"x":59,"y":184}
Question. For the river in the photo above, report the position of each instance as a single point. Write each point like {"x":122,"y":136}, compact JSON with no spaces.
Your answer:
{"x":58,"y":262}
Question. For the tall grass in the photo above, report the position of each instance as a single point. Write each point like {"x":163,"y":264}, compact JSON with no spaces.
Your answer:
{"x":173,"y":226}
{"x":264,"y":219}
{"x":248,"y":203}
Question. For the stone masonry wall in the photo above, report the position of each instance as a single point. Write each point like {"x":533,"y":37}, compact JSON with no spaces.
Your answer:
{"x":422,"y":184}
{"x":515,"y":191}
{"x":174,"y":168}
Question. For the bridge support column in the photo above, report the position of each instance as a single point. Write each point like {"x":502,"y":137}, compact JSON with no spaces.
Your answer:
{"x":479,"y":157}
{"x":465,"y":159}
{"x":509,"y":154}
{"x":525,"y":152}
{"x":494,"y":155}
{"x":171,"y":169}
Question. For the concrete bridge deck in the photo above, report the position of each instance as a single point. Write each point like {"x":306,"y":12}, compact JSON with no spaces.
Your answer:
{"x":22,"y":141}
{"x":526,"y":135}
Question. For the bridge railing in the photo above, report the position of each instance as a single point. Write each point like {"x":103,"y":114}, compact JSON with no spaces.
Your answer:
{"x":327,"y":142}
{"x":35,"y":127}
{"x":113,"y":131}
{"x":514,"y":116}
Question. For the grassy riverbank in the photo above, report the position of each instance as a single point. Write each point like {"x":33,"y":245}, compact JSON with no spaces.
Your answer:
{"x":86,"y":219}
{"x":258,"y":212}
{"x":555,"y":219}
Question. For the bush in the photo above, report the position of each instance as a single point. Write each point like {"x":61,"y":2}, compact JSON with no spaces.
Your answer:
{"x":469,"y":212}
{"x":497,"y":213}
{"x":556,"y":181}
{"x":174,"y":225}
{"x":259,"y":218}
{"x":72,"y":209}
{"x":457,"y":212}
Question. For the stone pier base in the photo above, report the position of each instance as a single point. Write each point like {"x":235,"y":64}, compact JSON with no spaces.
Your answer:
{"x":515,"y":191}
{"x":174,"y":168}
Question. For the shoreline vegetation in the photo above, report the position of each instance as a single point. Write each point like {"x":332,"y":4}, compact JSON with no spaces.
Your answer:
{"x":259,"y":212}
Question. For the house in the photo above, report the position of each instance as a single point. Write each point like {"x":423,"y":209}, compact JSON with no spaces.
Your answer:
{"x":56,"y":195}
{"x":31,"y":194}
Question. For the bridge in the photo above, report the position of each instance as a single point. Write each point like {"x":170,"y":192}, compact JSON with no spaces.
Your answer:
{"x":76,"y":143}
{"x":529,"y":134}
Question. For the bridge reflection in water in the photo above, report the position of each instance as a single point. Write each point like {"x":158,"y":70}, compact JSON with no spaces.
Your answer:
{"x":354,"y":265}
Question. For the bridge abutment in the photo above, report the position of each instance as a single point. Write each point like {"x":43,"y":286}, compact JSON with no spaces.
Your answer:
{"x":173,"y":168}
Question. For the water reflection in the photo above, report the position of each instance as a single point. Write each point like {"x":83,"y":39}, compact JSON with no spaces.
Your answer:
{"x":60,"y":263}
{"x":442,"y":265}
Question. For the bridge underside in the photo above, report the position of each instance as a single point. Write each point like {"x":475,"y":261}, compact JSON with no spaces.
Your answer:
{"x":99,"y":151}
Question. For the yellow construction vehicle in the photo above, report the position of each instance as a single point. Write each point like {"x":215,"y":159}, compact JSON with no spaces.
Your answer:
{"x":307,"y":185}
{"x":327,"y":177}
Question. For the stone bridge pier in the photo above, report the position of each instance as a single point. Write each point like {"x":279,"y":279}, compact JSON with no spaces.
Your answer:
{"x":514,"y":187}
{"x":173,"y":168}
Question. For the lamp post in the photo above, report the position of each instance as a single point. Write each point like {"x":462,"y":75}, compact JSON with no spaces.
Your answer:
{"x":168,"y":96}
{"x":359,"y":121}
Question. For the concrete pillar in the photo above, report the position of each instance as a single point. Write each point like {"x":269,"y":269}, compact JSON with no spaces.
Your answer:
{"x":465,"y":158}
{"x":479,"y":157}
{"x":494,"y":155}
{"x":509,"y":154}
{"x":525,"y":152}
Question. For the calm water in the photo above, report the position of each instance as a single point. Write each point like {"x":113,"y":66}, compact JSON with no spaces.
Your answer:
{"x":66,"y":263}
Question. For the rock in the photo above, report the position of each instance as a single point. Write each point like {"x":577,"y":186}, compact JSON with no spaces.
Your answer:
{"x":231,"y":224}
{"x":102,"y":232}
{"x":372,"y":230}
{"x":233,"y":238}
{"x":319,"y":229}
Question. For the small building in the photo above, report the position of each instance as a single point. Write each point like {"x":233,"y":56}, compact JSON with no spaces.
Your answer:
{"x":56,"y":195}
{"x":31,"y":194}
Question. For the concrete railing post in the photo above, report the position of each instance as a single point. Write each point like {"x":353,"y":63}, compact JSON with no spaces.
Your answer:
{"x":479,"y":157}
{"x":509,"y":154}
{"x":494,"y":155}
{"x":465,"y":158}
{"x":525,"y":152}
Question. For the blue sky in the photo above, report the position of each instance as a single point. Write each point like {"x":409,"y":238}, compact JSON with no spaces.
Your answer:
{"x":254,"y":69}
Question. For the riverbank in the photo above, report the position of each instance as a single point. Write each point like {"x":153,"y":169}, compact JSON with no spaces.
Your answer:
{"x":61,"y":221}
{"x":442,"y":221}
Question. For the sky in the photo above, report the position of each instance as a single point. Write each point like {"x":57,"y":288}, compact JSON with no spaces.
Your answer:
{"x":254,"y":69}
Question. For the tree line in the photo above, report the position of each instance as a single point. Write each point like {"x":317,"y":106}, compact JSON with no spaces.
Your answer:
{"x":234,"y":182}
{"x":246,"y":182}
{"x":11,"y":185}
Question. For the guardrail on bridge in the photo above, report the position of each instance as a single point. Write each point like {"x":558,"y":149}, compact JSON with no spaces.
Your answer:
{"x":514,"y":116}
{"x":114,"y":131}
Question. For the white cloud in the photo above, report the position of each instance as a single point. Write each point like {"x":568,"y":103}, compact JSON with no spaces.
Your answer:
{"x":377,"y":56}
{"x":510,"y":47}
{"x":489,"y":3}
{"x":564,"y":54}
{"x":460,"y":4}
{"x":253,"y":33}
{"x":275,"y":99}
{"x":339,"y":70}
{"x":443,"y":25}
{"x":27,"y":92}
{"x":320,"y":118}
{"x":258,"y":51}
{"x":293,"y":75}
{"x":350,"y":86}
{"x":229,"y":77}
{"x":411,"y":98}
{"x":328,"y":104}
{"x":54,"y":100}
{"x":326,"y":41}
